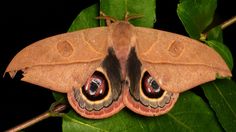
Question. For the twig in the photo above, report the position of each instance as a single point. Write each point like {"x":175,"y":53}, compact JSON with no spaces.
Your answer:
{"x":225,"y":24}
{"x":57,"y":109}
{"x":228,"y":22}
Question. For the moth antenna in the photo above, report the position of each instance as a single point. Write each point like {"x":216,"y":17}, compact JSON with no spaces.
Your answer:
{"x":108,"y":19}
{"x":129,"y":17}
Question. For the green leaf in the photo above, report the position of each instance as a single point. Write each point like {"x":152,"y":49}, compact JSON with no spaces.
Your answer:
{"x":196,"y":15}
{"x":59,"y":96}
{"x":118,"y":9}
{"x":221,"y":95}
{"x":215,"y":34}
{"x":189,"y":114}
{"x":223,"y":51}
{"x":86,"y":19}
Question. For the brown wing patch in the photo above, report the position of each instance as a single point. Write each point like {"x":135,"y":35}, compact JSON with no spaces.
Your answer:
{"x":60,"y":78}
{"x":98,"y":40}
{"x":176,"y":48}
{"x":145,"y":39}
{"x":65,"y":48}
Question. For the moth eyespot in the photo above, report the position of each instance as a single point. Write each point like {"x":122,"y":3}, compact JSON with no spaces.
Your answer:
{"x":96,"y":87}
{"x":150,"y":87}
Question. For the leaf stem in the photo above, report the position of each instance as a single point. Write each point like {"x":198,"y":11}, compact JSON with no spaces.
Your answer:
{"x":228,"y":22}
{"x":57,"y":109}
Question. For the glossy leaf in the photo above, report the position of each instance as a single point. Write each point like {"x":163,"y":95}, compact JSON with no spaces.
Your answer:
{"x":86,"y":19}
{"x":223,"y":51}
{"x":189,"y":114}
{"x":215,"y":34}
{"x":196,"y":15}
{"x":221,"y":95}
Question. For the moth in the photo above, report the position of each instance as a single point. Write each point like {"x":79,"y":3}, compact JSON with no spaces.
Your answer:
{"x":104,"y":69}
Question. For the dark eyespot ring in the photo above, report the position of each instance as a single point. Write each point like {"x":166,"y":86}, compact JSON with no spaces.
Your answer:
{"x":150,"y":87}
{"x":96,"y":87}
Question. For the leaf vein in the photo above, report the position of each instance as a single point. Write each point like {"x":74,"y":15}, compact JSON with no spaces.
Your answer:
{"x":181,"y":123}
{"x":141,"y":125}
{"x":225,"y":100}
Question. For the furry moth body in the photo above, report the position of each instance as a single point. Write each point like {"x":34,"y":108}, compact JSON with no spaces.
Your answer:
{"x":104,"y":69}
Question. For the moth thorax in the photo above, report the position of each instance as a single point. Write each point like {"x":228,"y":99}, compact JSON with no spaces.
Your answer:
{"x":121,"y":35}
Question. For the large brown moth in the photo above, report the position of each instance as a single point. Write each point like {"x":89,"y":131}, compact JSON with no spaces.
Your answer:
{"x":104,"y":69}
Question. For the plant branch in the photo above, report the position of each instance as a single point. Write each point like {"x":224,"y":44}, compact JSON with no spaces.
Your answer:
{"x":57,"y":109}
{"x":228,"y":22}
{"x":225,"y":24}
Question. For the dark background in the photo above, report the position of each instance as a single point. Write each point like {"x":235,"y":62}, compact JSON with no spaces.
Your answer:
{"x":24,"y":22}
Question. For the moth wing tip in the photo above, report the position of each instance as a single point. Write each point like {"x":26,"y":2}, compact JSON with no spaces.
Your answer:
{"x":11,"y":73}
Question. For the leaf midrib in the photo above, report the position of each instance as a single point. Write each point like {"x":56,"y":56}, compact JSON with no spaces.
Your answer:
{"x":179,"y":122}
{"x":225,"y":100}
